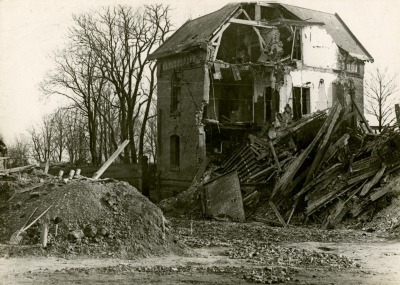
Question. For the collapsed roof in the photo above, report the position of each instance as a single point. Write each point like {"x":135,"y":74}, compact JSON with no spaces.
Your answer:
{"x":197,"y":33}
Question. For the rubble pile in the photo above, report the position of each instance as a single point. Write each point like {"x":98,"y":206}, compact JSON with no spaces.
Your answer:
{"x":336,"y":174}
{"x":321,"y":168}
{"x":269,"y":251}
{"x":83,"y":217}
{"x":266,"y":275}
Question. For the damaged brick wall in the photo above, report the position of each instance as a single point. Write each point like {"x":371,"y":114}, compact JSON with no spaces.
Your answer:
{"x":181,"y":134}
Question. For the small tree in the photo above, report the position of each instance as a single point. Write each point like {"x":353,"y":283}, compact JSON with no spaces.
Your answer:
{"x":380,"y":87}
{"x":19,"y":152}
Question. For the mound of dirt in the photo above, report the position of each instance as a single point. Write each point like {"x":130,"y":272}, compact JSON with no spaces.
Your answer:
{"x":92,"y":218}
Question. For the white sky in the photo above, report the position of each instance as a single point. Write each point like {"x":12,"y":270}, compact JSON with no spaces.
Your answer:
{"x":31,"y":29}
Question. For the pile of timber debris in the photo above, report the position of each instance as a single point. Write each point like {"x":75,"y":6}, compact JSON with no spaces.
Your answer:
{"x":322,"y":167}
{"x":332,"y":176}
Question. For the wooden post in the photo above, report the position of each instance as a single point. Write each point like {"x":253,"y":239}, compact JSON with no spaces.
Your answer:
{"x":71,"y":174}
{"x":397,"y":111}
{"x":44,"y":234}
{"x":46,"y":168}
{"x":60,"y":174}
{"x":110,"y":160}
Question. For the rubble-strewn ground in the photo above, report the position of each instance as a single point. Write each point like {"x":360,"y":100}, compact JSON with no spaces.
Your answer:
{"x":127,"y":240}
{"x":230,"y":253}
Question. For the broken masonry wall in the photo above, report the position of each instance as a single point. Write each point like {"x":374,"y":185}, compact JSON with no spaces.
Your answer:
{"x":319,"y":84}
{"x":359,"y":91}
{"x":319,"y":49}
{"x":181,"y":134}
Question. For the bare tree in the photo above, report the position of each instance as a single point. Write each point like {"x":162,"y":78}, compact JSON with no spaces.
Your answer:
{"x":19,"y":152}
{"x":59,"y":133}
{"x":122,"y":39}
{"x":76,"y":141}
{"x":379,"y":90}
{"x":42,"y":137}
{"x":76,"y":77}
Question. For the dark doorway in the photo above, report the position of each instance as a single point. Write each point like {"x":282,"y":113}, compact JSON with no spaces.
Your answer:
{"x":271,"y":104}
{"x":301,"y":102}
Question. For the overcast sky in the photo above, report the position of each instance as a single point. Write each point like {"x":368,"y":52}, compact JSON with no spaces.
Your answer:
{"x":31,"y":29}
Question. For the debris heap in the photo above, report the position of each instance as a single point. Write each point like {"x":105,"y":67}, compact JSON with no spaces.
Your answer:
{"x":83,"y":217}
{"x":327,"y":178}
{"x":323,"y":167}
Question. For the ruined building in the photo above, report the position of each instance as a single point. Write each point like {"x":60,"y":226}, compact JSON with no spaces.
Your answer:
{"x":245,"y":66}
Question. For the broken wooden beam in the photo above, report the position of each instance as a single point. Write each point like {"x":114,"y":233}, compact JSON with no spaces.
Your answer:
{"x":296,"y":126}
{"x":362,"y":116}
{"x":17,"y":169}
{"x":323,"y":145}
{"x":272,"y":205}
{"x":278,"y":166}
{"x":336,"y":146}
{"x":378,"y":194}
{"x":373,"y":181}
{"x":361,"y":177}
{"x":110,"y":160}
{"x":33,"y":187}
{"x":321,"y":178}
{"x":287,"y":177}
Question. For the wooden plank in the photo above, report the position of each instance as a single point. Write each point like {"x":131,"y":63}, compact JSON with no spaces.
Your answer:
{"x":323,"y":146}
{"x":321,"y":178}
{"x":293,"y":185}
{"x":110,"y":160}
{"x":251,"y":23}
{"x":33,"y":187}
{"x":292,"y":211}
{"x":17,"y":169}
{"x":293,"y":128}
{"x":25,"y":228}
{"x":362,"y":116}
{"x":334,"y":147}
{"x":272,"y":205}
{"x":361,"y":177}
{"x":378,"y":194}
{"x":261,"y":172}
{"x":373,"y":181}
{"x":278,"y":166}
{"x":317,"y":204}
{"x":291,"y":171}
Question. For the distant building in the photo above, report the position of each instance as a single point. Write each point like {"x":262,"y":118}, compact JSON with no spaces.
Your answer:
{"x":237,"y":68}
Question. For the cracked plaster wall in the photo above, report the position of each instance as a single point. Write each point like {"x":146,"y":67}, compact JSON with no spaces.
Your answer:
{"x":319,"y":49}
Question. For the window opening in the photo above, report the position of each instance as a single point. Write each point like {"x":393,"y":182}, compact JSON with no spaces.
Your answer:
{"x":175,"y":151}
